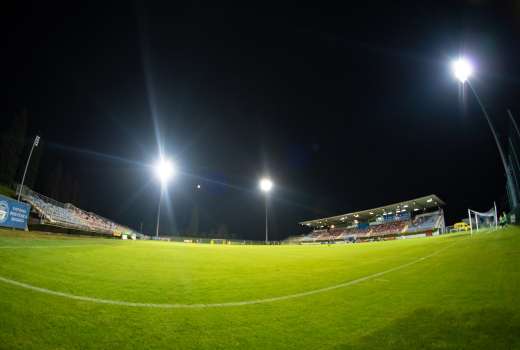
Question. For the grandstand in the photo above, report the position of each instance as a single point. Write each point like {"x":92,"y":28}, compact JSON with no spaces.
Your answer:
{"x":419,"y":217}
{"x":53,"y":213}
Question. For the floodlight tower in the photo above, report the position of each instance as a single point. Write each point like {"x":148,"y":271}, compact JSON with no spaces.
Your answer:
{"x":35,"y":144}
{"x":462,"y":69}
{"x":164,"y":170}
{"x":266,"y":186}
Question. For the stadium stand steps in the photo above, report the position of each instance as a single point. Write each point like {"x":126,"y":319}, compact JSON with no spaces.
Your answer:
{"x":52,"y":212}
{"x":427,"y":222}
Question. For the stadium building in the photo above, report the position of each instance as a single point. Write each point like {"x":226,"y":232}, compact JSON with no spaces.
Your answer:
{"x":419,"y":217}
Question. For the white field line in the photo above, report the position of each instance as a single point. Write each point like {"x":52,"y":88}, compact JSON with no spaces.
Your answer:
{"x":226,"y":304}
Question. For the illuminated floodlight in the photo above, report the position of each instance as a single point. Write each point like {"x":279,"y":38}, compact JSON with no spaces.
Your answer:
{"x":164,"y":170}
{"x":198,"y":186}
{"x":266,"y":185}
{"x":462,"y":69}
{"x":429,"y":200}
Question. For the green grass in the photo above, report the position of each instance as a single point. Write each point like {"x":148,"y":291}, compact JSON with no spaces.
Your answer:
{"x":465,"y":297}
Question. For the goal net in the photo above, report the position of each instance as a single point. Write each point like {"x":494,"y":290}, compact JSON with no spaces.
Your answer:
{"x":483,"y":220}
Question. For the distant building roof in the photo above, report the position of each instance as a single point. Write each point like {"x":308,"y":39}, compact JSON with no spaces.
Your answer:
{"x":412,"y":205}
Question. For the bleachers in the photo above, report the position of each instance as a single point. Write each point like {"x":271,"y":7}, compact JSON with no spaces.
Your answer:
{"x":421,"y":223}
{"x":388,"y":228}
{"x":383,"y":229}
{"x":353,"y":231}
{"x":67,"y":215}
{"x":419,"y":217}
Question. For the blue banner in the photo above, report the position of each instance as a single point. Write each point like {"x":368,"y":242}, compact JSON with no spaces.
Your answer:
{"x":13,"y":213}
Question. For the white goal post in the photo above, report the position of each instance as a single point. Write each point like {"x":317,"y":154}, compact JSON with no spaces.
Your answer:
{"x":479,"y":220}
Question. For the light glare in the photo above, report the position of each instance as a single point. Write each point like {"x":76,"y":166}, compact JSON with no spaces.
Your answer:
{"x":462,"y":69}
{"x":266,"y":185}
{"x":164,"y":170}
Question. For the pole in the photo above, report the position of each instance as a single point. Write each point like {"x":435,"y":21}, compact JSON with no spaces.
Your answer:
{"x":513,"y":173}
{"x":496,"y":215}
{"x":35,"y":144}
{"x":511,"y":145}
{"x":470,"y":223}
{"x":514,"y":154}
{"x":266,"y":221}
{"x":158,"y":213}
{"x":514,"y":122}
{"x":504,"y":163}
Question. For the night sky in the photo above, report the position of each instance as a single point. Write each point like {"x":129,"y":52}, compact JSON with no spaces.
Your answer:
{"x":346,"y":108}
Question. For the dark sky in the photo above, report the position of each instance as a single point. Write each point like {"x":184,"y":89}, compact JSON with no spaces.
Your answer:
{"x":346,"y":108}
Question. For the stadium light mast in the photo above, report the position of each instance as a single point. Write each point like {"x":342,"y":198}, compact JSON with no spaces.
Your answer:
{"x":266,"y":185}
{"x":35,"y":144}
{"x":463,"y":69}
{"x":164,"y":170}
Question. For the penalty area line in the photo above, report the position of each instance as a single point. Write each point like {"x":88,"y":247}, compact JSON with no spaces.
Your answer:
{"x":225,"y":304}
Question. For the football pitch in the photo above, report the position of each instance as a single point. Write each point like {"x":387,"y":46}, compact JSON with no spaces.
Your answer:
{"x":450,"y":292}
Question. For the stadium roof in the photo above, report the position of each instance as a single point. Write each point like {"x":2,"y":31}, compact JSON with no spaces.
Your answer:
{"x":413,"y":205}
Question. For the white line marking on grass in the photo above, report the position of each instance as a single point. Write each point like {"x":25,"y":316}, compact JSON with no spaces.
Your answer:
{"x":226,"y":304}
